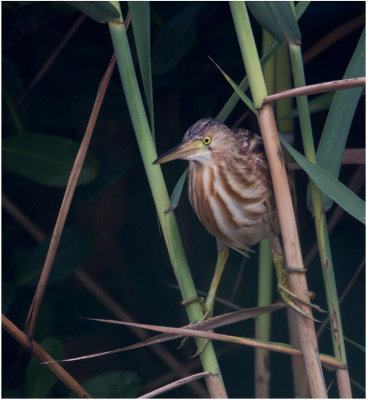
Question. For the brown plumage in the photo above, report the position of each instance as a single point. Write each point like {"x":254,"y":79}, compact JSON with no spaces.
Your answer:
{"x":229,"y":185}
{"x":230,"y":191}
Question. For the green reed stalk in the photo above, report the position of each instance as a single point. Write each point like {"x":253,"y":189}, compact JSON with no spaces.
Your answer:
{"x":265,"y":268}
{"x":160,"y":195}
{"x":321,"y":227}
{"x":292,"y":250}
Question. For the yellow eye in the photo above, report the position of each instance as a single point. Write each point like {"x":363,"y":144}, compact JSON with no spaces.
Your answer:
{"x":206,"y":140}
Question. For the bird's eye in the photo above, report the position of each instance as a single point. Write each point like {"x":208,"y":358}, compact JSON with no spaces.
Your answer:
{"x":206,"y":140}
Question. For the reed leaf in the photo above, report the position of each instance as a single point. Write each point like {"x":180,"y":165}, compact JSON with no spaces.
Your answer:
{"x":99,"y":11}
{"x":140,"y":20}
{"x":339,"y":120}
{"x":331,"y":186}
{"x":277,"y":18}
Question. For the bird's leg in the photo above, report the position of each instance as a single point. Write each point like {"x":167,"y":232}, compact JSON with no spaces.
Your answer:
{"x":219,"y":268}
{"x":208,"y":305}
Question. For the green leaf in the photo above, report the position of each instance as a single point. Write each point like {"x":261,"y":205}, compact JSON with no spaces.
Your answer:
{"x":339,"y":119}
{"x":114,"y":384}
{"x":277,"y":18}
{"x":359,"y":346}
{"x":301,"y":7}
{"x":315,"y":105}
{"x":74,"y":248}
{"x":99,"y":11}
{"x":177,"y":191}
{"x":140,"y":19}
{"x":238,"y":91}
{"x":328,"y":184}
{"x":39,"y":379}
{"x":244,"y":85}
{"x":46,"y":159}
{"x":174,"y":40}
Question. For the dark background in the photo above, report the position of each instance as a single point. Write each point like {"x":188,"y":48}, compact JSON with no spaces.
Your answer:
{"x":124,"y":251}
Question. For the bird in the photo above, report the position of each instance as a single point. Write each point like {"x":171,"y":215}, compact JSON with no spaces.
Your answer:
{"x":230,"y":190}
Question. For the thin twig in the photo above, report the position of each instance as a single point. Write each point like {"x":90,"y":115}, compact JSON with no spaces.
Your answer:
{"x":43,"y":356}
{"x":92,"y":286}
{"x":358,"y":385}
{"x":318,"y":88}
{"x":345,"y":292}
{"x":116,"y":309}
{"x":189,"y":366}
{"x":192,"y":331}
{"x":174,"y":385}
{"x":333,"y":37}
{"x":19,"y":216}
{"x":66,"y":202}
{"x":46,"y":66}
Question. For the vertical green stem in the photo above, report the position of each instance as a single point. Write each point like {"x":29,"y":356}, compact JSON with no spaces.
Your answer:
{"x":160,"y":194}
{"x":265,"y":274}
{"x":249,"y":52}
{"x":320,"y":219}
{"x":292,"y":249}
{"x":263,"y":322}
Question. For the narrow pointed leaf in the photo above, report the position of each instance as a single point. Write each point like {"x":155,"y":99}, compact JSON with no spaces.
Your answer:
{"x":99,"y":11}
{"x":244,"y":85}
{"x":177,"y":191}
{"x":301,"y":7}
{"x":193,"y":331}
{"x":238,"y":90}
{"x":140,"y":19}
{"x":339,"y":120}
{"x":277,"y":18}
{"x":328,"y":184}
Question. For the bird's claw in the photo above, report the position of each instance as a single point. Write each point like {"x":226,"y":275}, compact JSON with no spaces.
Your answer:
{"x":208,"y":313}
{"x":288,"y":297}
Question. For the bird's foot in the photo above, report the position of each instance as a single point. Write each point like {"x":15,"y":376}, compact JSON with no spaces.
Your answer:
{"x":289,"y":297}
{"x":208,"y":313}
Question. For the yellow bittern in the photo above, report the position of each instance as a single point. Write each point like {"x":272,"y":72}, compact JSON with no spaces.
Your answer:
{"x":230,"y":191}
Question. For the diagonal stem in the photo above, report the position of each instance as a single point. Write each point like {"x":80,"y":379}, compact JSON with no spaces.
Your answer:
{"x":65,"y":205}
{"x":292,"y":251}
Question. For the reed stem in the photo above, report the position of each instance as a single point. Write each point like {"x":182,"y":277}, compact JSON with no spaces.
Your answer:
{"x":160,"y":195}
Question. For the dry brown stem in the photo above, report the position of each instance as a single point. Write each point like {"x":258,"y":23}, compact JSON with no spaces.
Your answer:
{"x":158,"y":349}
{"x":292,"y":250}
{"x":66,"y":202}
{"x":193,"y":331}
{"x":92,"y":286}
{"x":318,"y":88}
{"x":68,"y":196}
{"x":174,"y":385}
{"x":333,"y":37}
{"x":43,"y":356}
{"x":46,"y":66}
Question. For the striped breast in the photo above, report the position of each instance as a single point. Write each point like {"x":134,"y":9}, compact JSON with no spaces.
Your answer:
{"x":233,"y":208}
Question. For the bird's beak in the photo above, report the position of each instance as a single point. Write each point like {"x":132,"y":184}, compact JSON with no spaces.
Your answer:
{"x":182,"y":151}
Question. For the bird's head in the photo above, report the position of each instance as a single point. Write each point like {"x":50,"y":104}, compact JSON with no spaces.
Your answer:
{"x":201,"y":141}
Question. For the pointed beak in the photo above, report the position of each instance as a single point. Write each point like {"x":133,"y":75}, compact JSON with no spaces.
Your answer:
{"x":182,"y":151}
